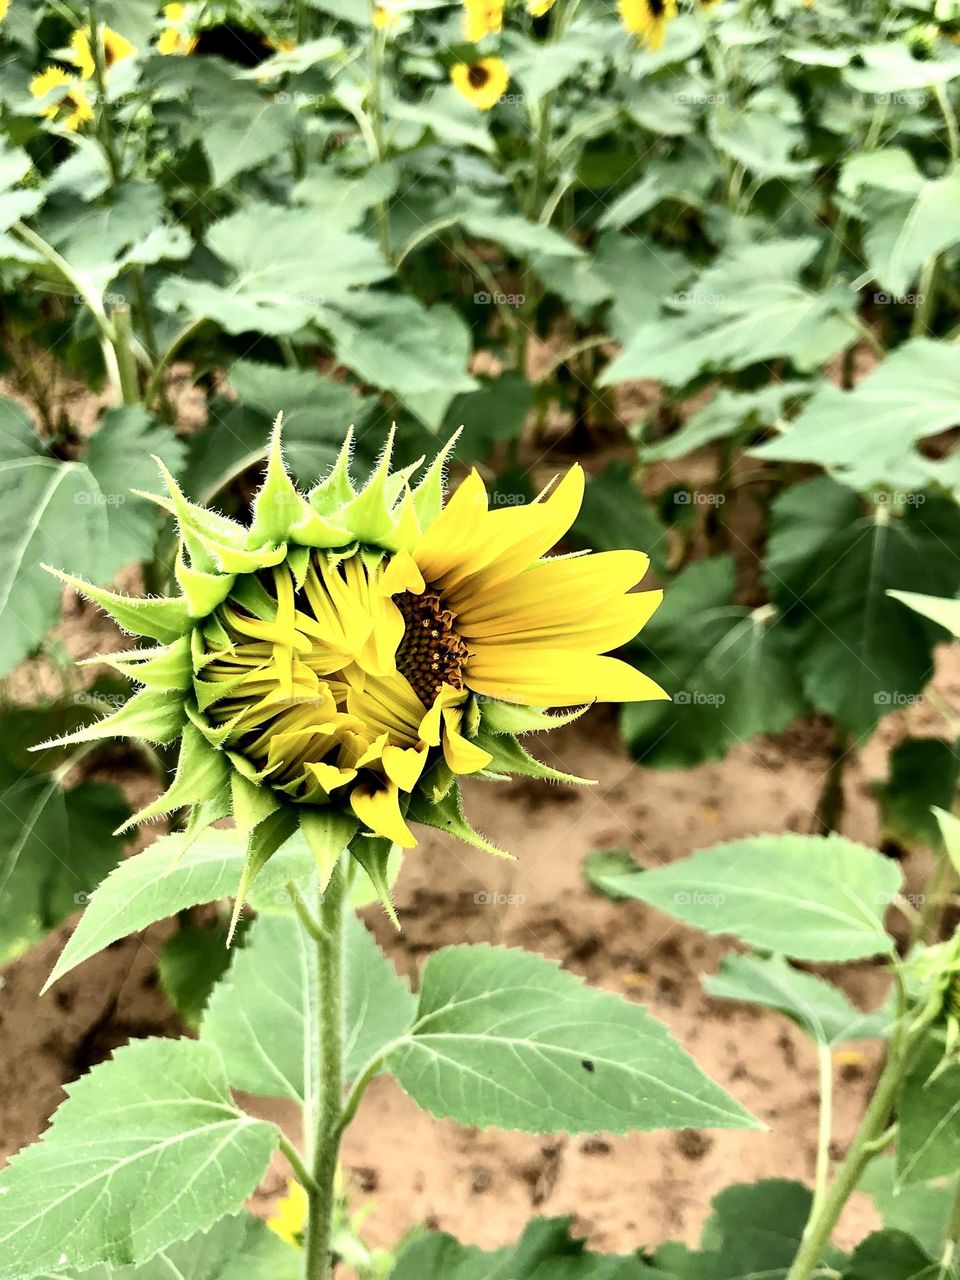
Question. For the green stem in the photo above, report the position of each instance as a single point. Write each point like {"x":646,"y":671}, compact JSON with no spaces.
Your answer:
{"x":329,"y":1022}
{"x":825,"y":1130}
{"x":104,"y":129}
{"x":126,"y":364}
{"x":155,"y":381}
{"x":951,"y":1240}
{"x":871,"y":1138}
{"x":927,"y":296}
{"x":950,"y":119}
{"x":295,"y":1161}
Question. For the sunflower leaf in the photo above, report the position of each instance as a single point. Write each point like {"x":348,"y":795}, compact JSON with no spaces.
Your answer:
{"x":505,"y":1037}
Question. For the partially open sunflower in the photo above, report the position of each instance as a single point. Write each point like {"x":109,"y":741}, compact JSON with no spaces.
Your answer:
{"x":339,"y":664}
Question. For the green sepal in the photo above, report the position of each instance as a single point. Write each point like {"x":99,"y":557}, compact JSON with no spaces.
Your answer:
{"x":373,"y":854}
{"x":214,"y":634}
{"x":255,"y":598}
{"x":298,"y":562}
{"x":265,"y":839}
{"x":510,"y":758}
{"x":167,"y":668}
{"x":216,"y":735}
{"x":369,"y":515}
{"x":210,"y":691}
{"x":314,"y":530}
{"x":437,"y":781}
{"x":153,"y":714}
{"x":202,"y":774}
{"x":428,"y":494}
{"x":447,"y":815}
{"x":204,"y":814}
{"x":508,"y":717}
{"x":327,"y":831}
{"x":336,"y":488}
{"x":277,"y":505}
{"x":160,"y":618}
{"x":202,"y":591}
{"x":252,"y":804}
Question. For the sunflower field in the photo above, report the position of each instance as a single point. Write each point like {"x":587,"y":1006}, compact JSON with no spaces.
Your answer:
{"x":479,"y":583}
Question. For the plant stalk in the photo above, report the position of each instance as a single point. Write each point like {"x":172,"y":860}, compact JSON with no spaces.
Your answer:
{"x":322,"y":1157}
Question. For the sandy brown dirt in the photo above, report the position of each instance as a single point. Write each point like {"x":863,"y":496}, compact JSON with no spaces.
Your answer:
{"x":482,"y":1186}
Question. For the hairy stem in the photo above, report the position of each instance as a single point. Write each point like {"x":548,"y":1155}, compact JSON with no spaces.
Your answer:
{"x":322,"y":1157}
{"x":825,"y":1130}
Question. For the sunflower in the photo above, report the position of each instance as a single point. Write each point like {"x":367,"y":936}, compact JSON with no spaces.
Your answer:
{"x":115,"y":48}
{"x":537,"y":8}
{"x":482,"y":18}
{"x":483,"y":83}
{"x":175,"y":37}
{"x":648,"y":19}
{"x":289,"y":1219}
{"x":339,"y":665}
{"x":73,"y":104}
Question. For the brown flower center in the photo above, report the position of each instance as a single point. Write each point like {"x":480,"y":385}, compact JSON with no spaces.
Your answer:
{"x":478,"y":76}
{"x":431,"y":653}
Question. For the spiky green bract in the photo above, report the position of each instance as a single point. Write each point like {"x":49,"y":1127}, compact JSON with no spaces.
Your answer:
{"x":221,"y":563}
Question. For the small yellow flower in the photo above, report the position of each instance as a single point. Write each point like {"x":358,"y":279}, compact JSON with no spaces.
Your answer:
{"x":537,"y":8}
{"x":115,"y":48}
{"x":385,"y":15}
{"x":648,"y":19}
{"x":482,"y":18}
{"x":52,"y":78}
{"x":4,"y":9}
{"x":175,"y":38}
{"x":290,"y":1218}
{"x":483,"y":82}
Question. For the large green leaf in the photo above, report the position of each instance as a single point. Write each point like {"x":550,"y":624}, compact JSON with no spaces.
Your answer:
{"x":748,"y":306}
{"x":891,"y":1255}
{"x":281,"y":269}
{"x":904,"y":230}
{"x":236,"y":1248}
{"x":923,"y":772}
{"x":545,"y":1251}
{"x":822,"y":1010}
{"x":316,"y":414}
{"x":165,"y":879}
{"x":119,"y":460}
{"x":640,"y":277}
{"x":728,"y":413}
{"x":727,"y":668}
{"x":920,"y":1208}
{"x":100,"y":240}
{"x":867,"y":437}
{"x":55,"y":848}
{"x":807,"y":897}
{"x":506,"y":1038}
{"x":147,"y":1149}
{"x":259,"y":1014}
{"x":859,"y":653}
{"x":928,"y":1139}
{"x":79,"y":516}
{"x":395,"y":343}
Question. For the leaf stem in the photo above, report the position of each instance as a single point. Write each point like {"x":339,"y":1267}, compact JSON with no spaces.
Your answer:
{"x":825,"y":1129}
{"x":951,"y":1240}
{"x":321,"y":1196}
{"x":182,"y":336}
{"x":295,"y":1161}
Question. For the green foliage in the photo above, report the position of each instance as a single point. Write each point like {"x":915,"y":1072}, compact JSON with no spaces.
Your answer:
{"x":90,"y":1192}
{"x":589,"y":1060}
{"x":924,"y":773}
{"x":929,"y":1137}
{"x":807,"y":897}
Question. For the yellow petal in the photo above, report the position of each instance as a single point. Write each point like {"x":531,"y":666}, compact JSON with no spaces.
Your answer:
{"x":553,"y":591}
{"x":430,"y":724}
{"x":538,"y":677}
{"x":401,"y":574}
{"x":462,"y":755}
{"x":453,"y":531}
{"x":330,"y":776}
{"x":404,"y":765}
{"x":378,"y":808}
{"x":606,"y":627}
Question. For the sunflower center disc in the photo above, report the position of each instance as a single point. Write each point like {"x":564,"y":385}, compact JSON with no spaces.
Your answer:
{"x":431,"y":654}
